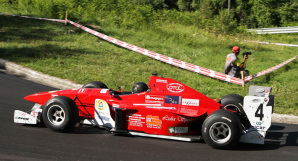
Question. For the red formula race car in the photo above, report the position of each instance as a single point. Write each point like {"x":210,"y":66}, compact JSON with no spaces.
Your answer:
{"x":165,"y":109}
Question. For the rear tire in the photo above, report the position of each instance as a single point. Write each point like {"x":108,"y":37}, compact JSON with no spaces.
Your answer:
{"x":234,"y":102}
{"x":222,"y":129}
{"x":60,"y":113}
{"x":95,"y":84}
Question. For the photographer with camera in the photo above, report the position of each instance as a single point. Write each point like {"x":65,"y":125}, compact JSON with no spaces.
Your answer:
{"x":233,"y":66}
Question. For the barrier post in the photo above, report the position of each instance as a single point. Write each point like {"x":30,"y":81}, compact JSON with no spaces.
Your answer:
{"x":242,"y":77}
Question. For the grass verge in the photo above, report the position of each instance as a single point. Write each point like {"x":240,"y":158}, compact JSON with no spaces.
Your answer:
{"x":70,"y":53}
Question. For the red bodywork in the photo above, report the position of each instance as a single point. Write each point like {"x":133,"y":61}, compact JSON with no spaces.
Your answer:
{"x":168,"y":104}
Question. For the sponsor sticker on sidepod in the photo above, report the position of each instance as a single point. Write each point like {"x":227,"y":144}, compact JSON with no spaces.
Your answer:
{"x":154,"y":98}
{"x":190,"y":102}
{"x":173,"y":99}
{"x":178,"y":130}
{"x":175,"y":87}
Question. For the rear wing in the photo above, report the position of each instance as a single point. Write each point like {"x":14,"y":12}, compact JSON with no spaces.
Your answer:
{"x":258,"y":106}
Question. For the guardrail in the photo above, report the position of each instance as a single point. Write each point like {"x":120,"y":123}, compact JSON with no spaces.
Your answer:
{"x":277,"y":30}
{"x":280,"y":44}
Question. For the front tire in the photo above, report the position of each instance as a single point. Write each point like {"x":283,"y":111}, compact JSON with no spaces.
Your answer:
{"x":60,"y":114}
{"x":221,"y":129}
{"x":95,"y":84}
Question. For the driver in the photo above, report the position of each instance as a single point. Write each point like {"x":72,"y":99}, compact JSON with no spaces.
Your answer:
{"x":140,"y":87}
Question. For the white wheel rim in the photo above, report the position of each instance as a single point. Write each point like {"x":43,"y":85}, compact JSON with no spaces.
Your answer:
{"x":220,"y":132}
{"x":56,"y":115}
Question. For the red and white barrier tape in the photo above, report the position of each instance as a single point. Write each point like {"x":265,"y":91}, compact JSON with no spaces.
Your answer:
{"x":55,"y":20}
{"x":248,"y":78}
{"x":166,"y":59}
{"x":163,"y":58}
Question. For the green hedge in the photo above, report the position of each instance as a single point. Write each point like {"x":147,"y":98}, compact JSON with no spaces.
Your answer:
{"x":141,"y":14}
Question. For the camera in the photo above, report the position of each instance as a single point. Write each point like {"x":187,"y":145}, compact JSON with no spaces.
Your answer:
{"x":246,"y":53}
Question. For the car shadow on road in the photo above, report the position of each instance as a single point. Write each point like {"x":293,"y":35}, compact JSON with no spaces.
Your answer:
{"x":277,"y":137}
{"x":75,"y":130}
{"x":88,"y":130}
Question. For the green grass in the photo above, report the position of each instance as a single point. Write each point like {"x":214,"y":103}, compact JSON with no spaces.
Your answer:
{"x":70,"y":53}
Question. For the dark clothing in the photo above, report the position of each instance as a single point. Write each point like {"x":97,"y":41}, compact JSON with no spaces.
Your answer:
{"x":232,"y":66}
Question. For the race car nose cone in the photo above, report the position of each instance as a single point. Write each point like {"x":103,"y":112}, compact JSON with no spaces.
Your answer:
{"x":40,"y":98}
{"x":31,"y":97}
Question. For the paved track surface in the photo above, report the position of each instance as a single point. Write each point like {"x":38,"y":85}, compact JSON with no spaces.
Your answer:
{"x":23,"y":142}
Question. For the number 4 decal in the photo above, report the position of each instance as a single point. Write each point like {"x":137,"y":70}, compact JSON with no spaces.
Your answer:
{"x":259,"y":112}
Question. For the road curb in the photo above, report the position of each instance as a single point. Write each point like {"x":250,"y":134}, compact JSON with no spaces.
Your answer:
{"x":38,"y":77}
{"x":282,"y":118}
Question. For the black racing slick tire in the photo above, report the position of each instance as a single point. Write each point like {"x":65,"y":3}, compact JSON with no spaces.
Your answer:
{"x":234,"y":102}
{"x":60,"y":113}
{"x":95,"y":84}
{"x":221,"y":129}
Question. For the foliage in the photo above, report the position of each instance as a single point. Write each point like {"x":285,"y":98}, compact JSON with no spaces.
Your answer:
{"x":143,"y":14}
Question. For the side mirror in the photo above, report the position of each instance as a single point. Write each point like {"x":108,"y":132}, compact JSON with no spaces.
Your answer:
{"x":120,"y":88}
{"x":112,"y":92}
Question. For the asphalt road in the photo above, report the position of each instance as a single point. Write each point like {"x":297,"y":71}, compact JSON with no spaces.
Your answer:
{"x":23,"y":142}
